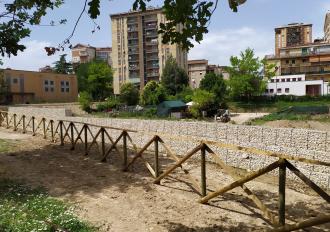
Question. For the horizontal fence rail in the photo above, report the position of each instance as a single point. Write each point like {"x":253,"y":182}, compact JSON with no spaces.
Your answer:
{"x":103,"y":138}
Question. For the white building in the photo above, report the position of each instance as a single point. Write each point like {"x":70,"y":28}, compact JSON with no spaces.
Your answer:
{"x":296,"y":85}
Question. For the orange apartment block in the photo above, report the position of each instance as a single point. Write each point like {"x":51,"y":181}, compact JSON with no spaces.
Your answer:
{"x":35,"y":87}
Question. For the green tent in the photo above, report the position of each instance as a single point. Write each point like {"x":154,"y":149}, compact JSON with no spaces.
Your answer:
{"x":165,"y":108}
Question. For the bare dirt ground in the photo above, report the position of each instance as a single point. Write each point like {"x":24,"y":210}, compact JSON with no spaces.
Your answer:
{"x":241,"y":118}
{"x":128,"y":201}
{"x":313,"y":125}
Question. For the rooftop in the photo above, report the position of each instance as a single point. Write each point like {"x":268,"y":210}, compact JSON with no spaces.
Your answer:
{"x":201,"y":61}
{"x":136,"y":12}
{"x":294,"y":25}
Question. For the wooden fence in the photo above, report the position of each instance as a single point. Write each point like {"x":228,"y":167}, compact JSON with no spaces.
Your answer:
{"x":74,"y":132}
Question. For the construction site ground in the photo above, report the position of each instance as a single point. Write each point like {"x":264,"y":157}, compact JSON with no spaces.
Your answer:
{"x":114,"y":200}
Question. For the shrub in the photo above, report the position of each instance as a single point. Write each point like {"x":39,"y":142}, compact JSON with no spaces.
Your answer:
{"x":109,"y":104}
{"x":85,"y":100}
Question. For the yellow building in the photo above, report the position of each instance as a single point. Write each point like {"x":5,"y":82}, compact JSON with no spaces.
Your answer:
{"x":293,"y":34}
{"x":138,"y":54}
{"x":35,"y":87}
{"x":85,"y":53}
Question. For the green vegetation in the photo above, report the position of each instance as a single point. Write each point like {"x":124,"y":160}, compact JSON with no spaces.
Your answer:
{"x":203,"y":101}
{"x":246,"y":79}
{"x":129,"y":94}
{"x":215,"y":84}
{"x":85,"y":101}
{"x":152,"y":94}
{"x":62,"y":66}
{"x":24,"y":209}
{"x":291,"y":117}
{"x":264,"y":104}
{"x":4,"y":145}
{"x":96,"y":79}
{"x":174,"y":78}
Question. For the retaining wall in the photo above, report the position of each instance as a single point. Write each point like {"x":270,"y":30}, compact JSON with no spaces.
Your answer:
{"x":304,"y":143}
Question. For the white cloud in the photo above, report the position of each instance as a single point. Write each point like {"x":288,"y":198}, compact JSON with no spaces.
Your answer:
{"x":218,"y":46}
{"x":32,"y":58}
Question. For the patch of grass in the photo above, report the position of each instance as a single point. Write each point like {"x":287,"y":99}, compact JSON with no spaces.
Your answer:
{"x":290,"y":116}
{"x":241,"y":107}
{"x":23,"y":209}
{"x":4,"y":145}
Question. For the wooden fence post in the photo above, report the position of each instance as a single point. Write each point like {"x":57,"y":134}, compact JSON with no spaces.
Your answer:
{"x":281,"y":190}
{"x":7,"y":120}
{"x":156,"y":158}
{"x":61,"y":133}
{"x":72,"y":135}
{"x":33,"y":127}
{"x":103,"y":141}
{"x":23,"y":121}
{"x":86,"y":139}
{"x":1,"y":118}
{"x":52,"y":130}
{"x":15,"y":126}
{"x":203,"y":171}
{"x":44,"y":127}
{"x":125,"y":148}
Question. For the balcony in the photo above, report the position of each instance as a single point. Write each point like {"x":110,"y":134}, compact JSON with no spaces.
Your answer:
{"x":149,"y":19}
{"x":153,"y":67}
{"x":133,"y":44}
{"x":152,"y":35}
{"x":305,"y":70}
{"x":153,"y":74}
{"x":133,"y":52}
{"x":133,"y":67}
{"x":132,"y":29}
{"x":152,"y":58}
{"x":83,"y":53}
{"x":155,"y":50}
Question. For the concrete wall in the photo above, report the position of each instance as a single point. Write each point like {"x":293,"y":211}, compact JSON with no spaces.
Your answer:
{"x":304,"y":143}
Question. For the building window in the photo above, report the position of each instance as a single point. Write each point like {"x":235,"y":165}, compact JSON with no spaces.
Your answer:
{"x":287,"y":90}
{"x":299,"y":78}
{"x":271,"y":90}
{"x":282,"y":80}
{"x":272,"y":80}
{"x":293,"y":61}
{"x":287,"y":62}
{"x":277,"y":80}
{"x":294,"y":79}
{"x":288,"y":80}
{"x":49,"y":86}
{"x":65,"y":86}
{"x":279,"y":90}
{"x":304,"y":60}
{"x":15,"y":81}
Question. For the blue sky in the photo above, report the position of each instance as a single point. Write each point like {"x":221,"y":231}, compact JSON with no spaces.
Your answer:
{"x":230,"y":33}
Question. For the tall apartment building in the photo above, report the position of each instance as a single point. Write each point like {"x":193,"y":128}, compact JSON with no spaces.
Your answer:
{"x":85,"y":53}
{"x":138,"y":54}
{"x":294,"y":34}
{"x":297,"y":54}
{"x":327,"y":28}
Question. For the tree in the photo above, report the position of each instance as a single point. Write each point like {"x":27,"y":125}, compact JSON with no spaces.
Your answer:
{"x":95,"y":78}
{"x":3,"y":86}
{"x":16,"y":16}
{"x":246,"y":78}
{"x":85,"y":101}
{"x":215,"y":84}
{"x":203,"y":101}
{"x":174,"y":78}
{"x":62,"y":66}
{"x":129,"y":94}
{"x":152,"y":94}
